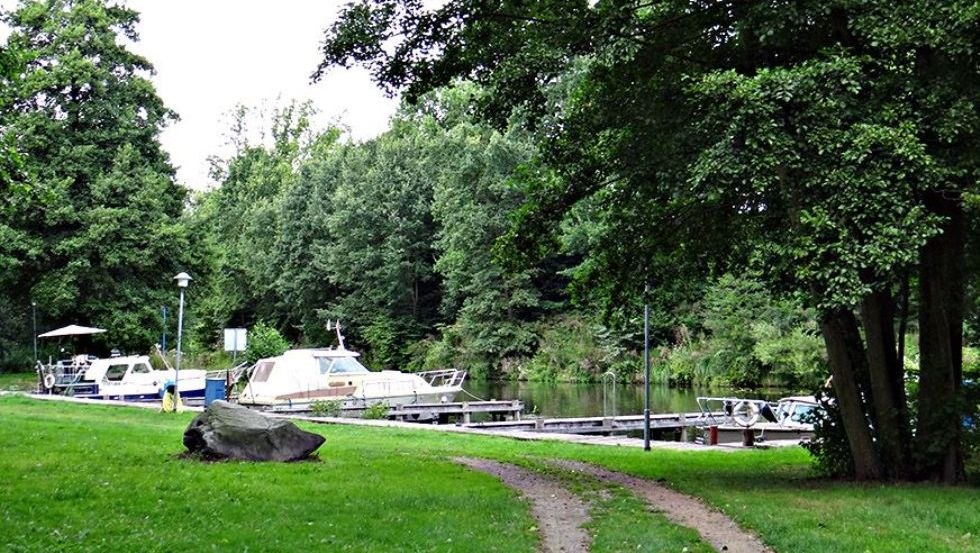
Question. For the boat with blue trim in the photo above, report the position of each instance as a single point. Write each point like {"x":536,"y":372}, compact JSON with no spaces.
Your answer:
{"x":129,"y":378}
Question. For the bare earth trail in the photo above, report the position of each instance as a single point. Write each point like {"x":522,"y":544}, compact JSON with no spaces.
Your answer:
{"x":714,"y":527}
{"x":561,"y":515}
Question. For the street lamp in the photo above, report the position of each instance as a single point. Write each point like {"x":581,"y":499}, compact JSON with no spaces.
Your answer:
{"x":183,"y":279}
{"x":34,"y":316}
{"x":646,"y":368}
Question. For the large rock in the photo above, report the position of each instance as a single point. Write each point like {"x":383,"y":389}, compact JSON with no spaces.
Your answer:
{"x":230,"y":431}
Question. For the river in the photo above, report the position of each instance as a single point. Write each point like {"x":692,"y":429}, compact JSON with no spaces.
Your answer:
{"x":566,"y":399}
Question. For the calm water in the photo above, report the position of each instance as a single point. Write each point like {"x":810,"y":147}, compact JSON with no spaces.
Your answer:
{"x":563,"y":399}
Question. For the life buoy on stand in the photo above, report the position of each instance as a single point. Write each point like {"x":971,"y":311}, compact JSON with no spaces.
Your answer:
{"x":49,"y":381}
{"x":746,"y":413}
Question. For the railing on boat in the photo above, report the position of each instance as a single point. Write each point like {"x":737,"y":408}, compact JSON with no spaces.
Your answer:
{"x":233,"y":374}
{"x":444,"y":377}
{"x":61,"y":377}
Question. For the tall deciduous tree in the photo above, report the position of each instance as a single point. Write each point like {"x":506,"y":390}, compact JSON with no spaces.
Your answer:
{"x":97,"y":235}
{"x":827,"y":144}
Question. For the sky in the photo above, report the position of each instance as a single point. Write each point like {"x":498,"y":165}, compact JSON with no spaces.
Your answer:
{"x":211,"y":55}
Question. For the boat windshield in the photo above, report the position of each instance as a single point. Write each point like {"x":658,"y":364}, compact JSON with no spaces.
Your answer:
{"x":340,"y":365}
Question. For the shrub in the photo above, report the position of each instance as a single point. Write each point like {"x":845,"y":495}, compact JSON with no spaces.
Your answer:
{"x":376,"y":411}
{"x":264,"y":341}
{"x":326,"y":408}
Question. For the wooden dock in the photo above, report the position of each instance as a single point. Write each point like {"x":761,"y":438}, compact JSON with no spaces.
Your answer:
{"x":441,"y":413}
{"x":498,"y":410}
{"x":674,"y":422}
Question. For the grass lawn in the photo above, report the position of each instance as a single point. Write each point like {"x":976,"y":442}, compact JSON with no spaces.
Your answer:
{"x":18,"y":382}
{"x":88,"y":478}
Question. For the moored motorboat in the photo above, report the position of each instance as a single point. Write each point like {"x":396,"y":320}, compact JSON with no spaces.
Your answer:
{"x":130,"y":378}
{"x":303,"y":376}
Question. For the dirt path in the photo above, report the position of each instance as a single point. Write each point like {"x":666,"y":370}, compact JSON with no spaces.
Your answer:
{"x":715,"y":528}
{"x":560,"y":514}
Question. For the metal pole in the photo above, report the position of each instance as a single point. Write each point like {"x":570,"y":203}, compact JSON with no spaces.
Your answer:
{"x":34,"y":316}
{"x":646,"y":370}
{"x":164,"y":342}
{"x":180,"y":330}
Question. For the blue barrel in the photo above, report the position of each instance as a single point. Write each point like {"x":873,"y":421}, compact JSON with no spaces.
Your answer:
{"x":214,"y":388}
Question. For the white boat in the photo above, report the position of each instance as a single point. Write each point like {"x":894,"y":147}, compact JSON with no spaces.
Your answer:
{"x":300,"y":377}
{"x":797,"y":412}
{"x":126,"y":378}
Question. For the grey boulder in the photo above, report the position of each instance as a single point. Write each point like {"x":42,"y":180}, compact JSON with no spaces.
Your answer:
{"x":228,"y":431}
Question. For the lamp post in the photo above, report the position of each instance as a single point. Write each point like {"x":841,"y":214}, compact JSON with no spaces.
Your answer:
{"x":646,"y":369}
{"x":163,"y":343}
{"x":183,"y":279}
{"x":34,"y":317}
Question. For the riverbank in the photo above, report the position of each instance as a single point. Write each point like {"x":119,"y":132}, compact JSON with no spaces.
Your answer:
{"x":398,"y":489}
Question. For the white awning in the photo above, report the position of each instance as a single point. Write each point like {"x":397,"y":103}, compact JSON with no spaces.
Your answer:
{"x":71,"y":330}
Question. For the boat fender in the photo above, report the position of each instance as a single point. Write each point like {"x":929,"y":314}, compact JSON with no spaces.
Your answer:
{"x":49,"y":381}
{"x":746,"y":413}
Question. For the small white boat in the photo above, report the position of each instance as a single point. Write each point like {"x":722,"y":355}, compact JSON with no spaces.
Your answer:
{"x":797,"y":412}
{"x":300,"y":377}
{"x":128,"y":378}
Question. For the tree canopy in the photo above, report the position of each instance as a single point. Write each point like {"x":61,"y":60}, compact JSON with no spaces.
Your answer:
{"x":94,"y":234}
{"x":826,"y":146}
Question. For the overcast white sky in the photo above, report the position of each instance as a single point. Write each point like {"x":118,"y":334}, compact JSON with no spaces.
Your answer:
{"x":211,"y":55}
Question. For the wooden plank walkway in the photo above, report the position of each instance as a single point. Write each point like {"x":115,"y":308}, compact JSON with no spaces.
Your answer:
{"x":593,"y":425}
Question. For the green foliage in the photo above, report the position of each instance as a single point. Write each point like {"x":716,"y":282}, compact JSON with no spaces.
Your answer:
{"x":571,"y":348}
{"x":750,"y":339}
{"x":832,"y":457}
{"x":376,"y":411}
{"x":390,"y":236}
{"x":264,"y":341}
{"x":98,"y":236}
{"x":326,"y":408}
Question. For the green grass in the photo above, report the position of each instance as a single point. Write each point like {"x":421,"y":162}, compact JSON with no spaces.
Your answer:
{"x":22,"y":381}
{"x":89,"y":478}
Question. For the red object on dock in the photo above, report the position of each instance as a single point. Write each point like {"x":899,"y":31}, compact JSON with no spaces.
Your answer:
{"x":712,"y":435}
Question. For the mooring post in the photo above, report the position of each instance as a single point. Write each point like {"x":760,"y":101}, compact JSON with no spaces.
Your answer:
{"x":712,"y":435}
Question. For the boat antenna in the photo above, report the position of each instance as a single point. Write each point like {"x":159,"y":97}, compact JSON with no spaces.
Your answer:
{"x":340,"y":337}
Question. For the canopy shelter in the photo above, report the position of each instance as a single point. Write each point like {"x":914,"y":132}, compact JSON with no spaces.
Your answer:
{"x":71,"y":330}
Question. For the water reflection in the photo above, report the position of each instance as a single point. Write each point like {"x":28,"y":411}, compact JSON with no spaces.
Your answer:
{"x":566,"y":399}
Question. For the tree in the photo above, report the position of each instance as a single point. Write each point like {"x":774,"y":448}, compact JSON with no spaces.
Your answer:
{"x":827,"y":145}
{"x":97,"y":234}
{"x":241,"y":219}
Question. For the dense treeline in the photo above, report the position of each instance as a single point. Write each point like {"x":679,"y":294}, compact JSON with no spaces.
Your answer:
{"x":396,"y":236}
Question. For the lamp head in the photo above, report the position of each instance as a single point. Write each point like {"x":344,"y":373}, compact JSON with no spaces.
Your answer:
{"x":183,"y":279}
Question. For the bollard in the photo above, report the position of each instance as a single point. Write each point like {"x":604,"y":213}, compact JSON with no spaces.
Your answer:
{"x":712,"y":435}
{"x":748,"y":437}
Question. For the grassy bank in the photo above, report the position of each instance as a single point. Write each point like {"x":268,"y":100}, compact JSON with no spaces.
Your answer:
{"x":18,"y":382}
{"x":83,"y":477}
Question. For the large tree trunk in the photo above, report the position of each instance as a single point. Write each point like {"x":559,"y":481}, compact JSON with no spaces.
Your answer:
{"x":941,"y":297}
{"x":840,"y":333}
{"x":887,"y":385}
